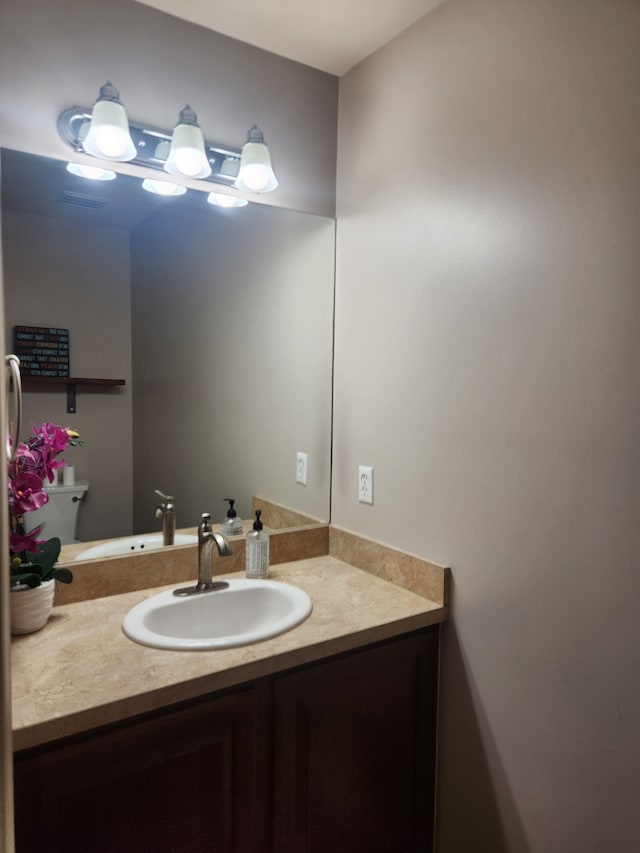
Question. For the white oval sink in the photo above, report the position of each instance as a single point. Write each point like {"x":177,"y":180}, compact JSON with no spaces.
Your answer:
{"x":246,"y":612}
{"x":133,"y":545}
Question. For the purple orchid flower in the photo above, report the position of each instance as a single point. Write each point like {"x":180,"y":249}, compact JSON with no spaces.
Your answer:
{"x":35,"y":461}
{"x":27,"y":541}
{"x":26,"y":493}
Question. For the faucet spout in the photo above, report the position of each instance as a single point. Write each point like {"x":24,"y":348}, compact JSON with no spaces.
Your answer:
{"x":207,"y":539}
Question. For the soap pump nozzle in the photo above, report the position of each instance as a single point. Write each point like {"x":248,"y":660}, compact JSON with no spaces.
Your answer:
{"x":231,"y":523}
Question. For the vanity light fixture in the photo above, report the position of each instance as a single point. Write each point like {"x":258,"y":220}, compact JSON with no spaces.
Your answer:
{"x":93,"y":173}
{"x":187,"y":156}
{"x":108,"y":134}
{"x":166,"y":188}
{"x":256,"y":173}
{"x":222,"y":200}
{"x":103,"y":132}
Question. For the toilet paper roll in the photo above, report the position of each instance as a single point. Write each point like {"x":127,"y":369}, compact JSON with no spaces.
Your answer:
{"x":68,"y":476}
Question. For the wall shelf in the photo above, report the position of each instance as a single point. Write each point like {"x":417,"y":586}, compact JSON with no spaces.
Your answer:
{"x":72,"y":383}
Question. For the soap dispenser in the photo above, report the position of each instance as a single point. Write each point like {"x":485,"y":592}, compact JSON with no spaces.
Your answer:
{"x":257,"y":550}
{"x":232,"y":524}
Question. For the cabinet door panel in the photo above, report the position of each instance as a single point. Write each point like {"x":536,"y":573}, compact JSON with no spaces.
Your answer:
{"x":354,"y":752}
{"x":188,"y":780}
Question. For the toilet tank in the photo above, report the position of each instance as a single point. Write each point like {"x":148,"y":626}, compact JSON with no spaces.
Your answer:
{"x":61,"y":512}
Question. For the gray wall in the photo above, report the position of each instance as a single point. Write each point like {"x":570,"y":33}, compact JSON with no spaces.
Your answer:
{"x":487,"y":355}
{"x":76,"y":276}
{"x":55,"y":55}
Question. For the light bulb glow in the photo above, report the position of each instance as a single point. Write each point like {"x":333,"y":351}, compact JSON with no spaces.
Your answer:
{"x":93,"y":173}
{"x":111,"y":141}
{"x":222,"y":200}
{"x":188,"y":161}
{"x":162,"y":187}
{"x":255,"y":177}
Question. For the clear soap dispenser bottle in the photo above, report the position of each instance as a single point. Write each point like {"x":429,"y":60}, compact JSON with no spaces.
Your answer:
{"x":232,"y":524}
{"x":257,"y":550}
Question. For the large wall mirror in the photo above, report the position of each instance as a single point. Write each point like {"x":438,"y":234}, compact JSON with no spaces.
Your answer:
{"x":220,"y":321}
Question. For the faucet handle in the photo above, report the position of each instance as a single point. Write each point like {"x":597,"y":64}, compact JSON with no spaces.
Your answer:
{"x":163,"y":496}
{"x":205,"y":526}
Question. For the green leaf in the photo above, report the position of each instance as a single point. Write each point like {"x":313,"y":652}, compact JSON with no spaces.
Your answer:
{"x":48,"y":556}
{"x":31,"y":579}
{"x":42,"y":566}
{"x":63,"y":575}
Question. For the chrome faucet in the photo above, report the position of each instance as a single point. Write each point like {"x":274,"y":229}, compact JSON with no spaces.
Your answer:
{"x":167,"y":512}
{"x":207,"y":538}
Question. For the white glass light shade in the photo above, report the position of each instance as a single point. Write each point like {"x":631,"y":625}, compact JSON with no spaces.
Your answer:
{"x":162,"y":187}
{"x":187,"y":155}
{"x":256,"y":173}
{"x":162,"y":149}
{"x":108,"y":137}
{"x":230,"y":167}
{"x":93,"y":173}
{"x":222,"y":200}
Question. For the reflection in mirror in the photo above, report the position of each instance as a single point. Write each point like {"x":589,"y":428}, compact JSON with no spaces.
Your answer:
{"x":220,"y":321}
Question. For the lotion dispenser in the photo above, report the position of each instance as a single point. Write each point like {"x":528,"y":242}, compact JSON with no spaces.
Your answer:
{"x":232,"y":524}
{"x":257,"y":550}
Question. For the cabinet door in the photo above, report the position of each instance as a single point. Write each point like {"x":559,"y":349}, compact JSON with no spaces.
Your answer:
{"x":355,"y":751}
{"x":190,"y":780}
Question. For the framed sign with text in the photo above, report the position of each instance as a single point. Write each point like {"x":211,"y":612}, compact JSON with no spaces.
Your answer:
{"x":42,"y":350}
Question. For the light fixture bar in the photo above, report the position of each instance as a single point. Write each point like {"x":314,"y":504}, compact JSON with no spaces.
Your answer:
{"x":224,"y":161}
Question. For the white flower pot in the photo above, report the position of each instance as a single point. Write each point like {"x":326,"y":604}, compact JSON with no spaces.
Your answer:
{"x":31,"y":607}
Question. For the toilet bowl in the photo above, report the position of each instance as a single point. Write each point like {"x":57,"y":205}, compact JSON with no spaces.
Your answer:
{"x":61,"y":512}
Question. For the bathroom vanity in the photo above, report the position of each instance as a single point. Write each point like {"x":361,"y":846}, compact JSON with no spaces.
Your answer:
{"x":320,"y":739}
{"x":333,"y":756}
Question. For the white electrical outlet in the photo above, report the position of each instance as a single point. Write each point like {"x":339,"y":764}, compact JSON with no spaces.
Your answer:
{"x":301,"y":469}
{"x":365,"y":484}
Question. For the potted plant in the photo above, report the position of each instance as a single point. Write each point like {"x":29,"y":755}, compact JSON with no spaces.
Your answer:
{"x":33,"y":568}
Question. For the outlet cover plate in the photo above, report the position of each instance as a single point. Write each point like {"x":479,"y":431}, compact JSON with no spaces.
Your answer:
{"x":301,"y":468}
{"x":365,"y":484}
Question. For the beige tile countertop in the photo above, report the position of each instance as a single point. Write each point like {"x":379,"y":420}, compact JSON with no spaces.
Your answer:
{"x":81,"y":672}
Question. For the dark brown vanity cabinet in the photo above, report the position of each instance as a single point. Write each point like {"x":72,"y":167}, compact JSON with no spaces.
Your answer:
{"x":188,"y":780}
{"x":338,"y":755}
{"x":355,"y":751}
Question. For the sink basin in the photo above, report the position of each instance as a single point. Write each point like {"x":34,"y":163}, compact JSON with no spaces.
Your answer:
{"x":133,"y":545}
{"x":246,"y":612}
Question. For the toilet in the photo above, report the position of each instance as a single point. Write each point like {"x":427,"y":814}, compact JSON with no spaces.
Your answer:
{"x":61,"y":512}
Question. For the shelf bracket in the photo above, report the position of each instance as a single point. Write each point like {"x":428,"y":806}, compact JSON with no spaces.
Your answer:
{"x":71,"y":398}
